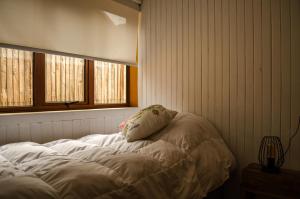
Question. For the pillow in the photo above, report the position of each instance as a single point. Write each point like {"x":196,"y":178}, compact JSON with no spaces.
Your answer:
{"x":197,"y":137}
{"x":122,"y":125}
{"x":146,"y":122}
{"x":187,"y":131}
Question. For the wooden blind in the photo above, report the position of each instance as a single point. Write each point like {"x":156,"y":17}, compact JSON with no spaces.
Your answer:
{"x":64,"y":79}
{"x":110,"y":83}
{"x":15,"y":77}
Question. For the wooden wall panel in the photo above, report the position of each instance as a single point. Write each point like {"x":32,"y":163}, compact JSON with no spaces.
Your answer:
{"x":235,"y":62}
{"x":179,"y":80}
{"x":226,"y":72}
{"x":241,"y":83}
{"x":185,"y":54}
{"x":45,"y":127}
{"x":295,"y":80}
{"x":174,"y":56}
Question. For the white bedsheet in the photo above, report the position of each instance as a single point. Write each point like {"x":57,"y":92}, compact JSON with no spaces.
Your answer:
{"x":187,"y":159}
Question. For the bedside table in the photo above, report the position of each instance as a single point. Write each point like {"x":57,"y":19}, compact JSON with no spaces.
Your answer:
{"x":259,"y":184}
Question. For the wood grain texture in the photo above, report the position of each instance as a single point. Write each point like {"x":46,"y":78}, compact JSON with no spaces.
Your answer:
{"x":110,"y":83}
{"x":259,"y":184}
{"x":15,"y":77}
{"x":237,"y":64}
{"x":64,"y":79}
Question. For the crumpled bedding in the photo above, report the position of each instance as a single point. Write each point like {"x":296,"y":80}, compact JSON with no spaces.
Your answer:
{"x":187,"y":159}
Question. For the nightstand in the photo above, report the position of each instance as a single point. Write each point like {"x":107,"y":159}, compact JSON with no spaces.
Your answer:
{"x":259,"y":184}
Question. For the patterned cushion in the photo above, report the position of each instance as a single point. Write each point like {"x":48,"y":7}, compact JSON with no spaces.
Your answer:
{"x":146,"y":122}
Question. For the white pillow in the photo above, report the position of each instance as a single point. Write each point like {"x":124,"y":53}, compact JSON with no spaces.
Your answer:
{"x":197,"y":137}
{"x":146,"y":122}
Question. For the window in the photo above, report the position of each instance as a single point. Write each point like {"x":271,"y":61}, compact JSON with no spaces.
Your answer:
{"x":64,"y":79}
{"x":33,"y":81}
{"x":110,"y":83}
{"x":15,"y":78}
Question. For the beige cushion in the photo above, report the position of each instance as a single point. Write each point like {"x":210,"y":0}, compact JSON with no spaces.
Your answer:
{"x":146,"y":122}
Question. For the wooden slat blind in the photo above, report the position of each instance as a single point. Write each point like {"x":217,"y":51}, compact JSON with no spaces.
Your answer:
{"x":15,"y":77}
{"x":110,"y":83}
{"x":64,"y":79}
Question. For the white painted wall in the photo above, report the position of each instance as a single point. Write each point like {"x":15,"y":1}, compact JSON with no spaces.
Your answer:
{"x":236,"y":62}
{"x":47,"y":126}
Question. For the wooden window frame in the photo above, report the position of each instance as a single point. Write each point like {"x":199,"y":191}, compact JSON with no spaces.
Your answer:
{"x":39,"y":87}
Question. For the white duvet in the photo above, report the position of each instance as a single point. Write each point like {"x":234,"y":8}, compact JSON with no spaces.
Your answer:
{"x":187,"y":159}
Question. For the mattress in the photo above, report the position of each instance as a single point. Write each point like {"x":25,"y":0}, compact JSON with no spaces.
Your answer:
{"x":187,"y":159}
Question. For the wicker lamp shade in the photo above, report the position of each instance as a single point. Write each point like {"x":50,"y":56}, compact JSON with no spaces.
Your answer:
{"x":271,"y":155}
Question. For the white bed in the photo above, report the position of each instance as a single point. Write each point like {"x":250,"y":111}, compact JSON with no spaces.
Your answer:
{"x":187,"y":159}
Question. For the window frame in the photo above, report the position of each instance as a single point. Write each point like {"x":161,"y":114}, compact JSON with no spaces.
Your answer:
{"x":39,"y":89}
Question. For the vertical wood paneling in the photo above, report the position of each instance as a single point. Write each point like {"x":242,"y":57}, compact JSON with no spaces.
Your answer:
{"x":185,"y":46}
{"x":204,"y":50}
{"x":191,"y":56}
{"x":84,"y":126}
{"x":218,"y":64}
{"x":226,"y":72}
{"x":249,"y":109}
{"x":57,"y":130}
{"x":46,"y":131}
{"x":233,"y":74}
{"x":45,"y":127}
{"x":141,"y":60}
{"x":276,"y":68}
{"x":295,"y":80}
{"x":164,"y":52}
{"x":237,"y":63}
{"x":179,"y":55}
{"x":3,"y":135}
{"x":35,"y":132}
{"x":67,"y":129}
{"x":241,"y":78}
{"x":100,"y":125}
{"x":24,"y":131}
{"x":93,"y":125}
{"x":198,"y":59}
{"x":108,"y":124}
{"x":174,"y":56}
{"x":153,"y":50}
{"x":76,"y":128}
{"x":211,"y":60}
{"x":257,"y":18}
{"x":148,"y":52}
{"x":267,"y":70}
{"x":12,"y":133}
{"x":158,"y":64}
{"x":169,"y":53}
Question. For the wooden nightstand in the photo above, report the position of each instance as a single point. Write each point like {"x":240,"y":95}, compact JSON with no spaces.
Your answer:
{"x":259,"y":184}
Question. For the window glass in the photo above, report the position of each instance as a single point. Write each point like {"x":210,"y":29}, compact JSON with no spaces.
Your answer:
{"x":110,"y":83}
{"x":15,"y":77}
{"x":64,"y":79}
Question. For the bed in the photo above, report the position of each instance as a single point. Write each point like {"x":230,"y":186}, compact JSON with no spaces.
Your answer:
{"x":186,"y":159}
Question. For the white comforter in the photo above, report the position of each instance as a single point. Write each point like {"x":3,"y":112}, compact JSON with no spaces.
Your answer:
{"x":187,"y":159}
